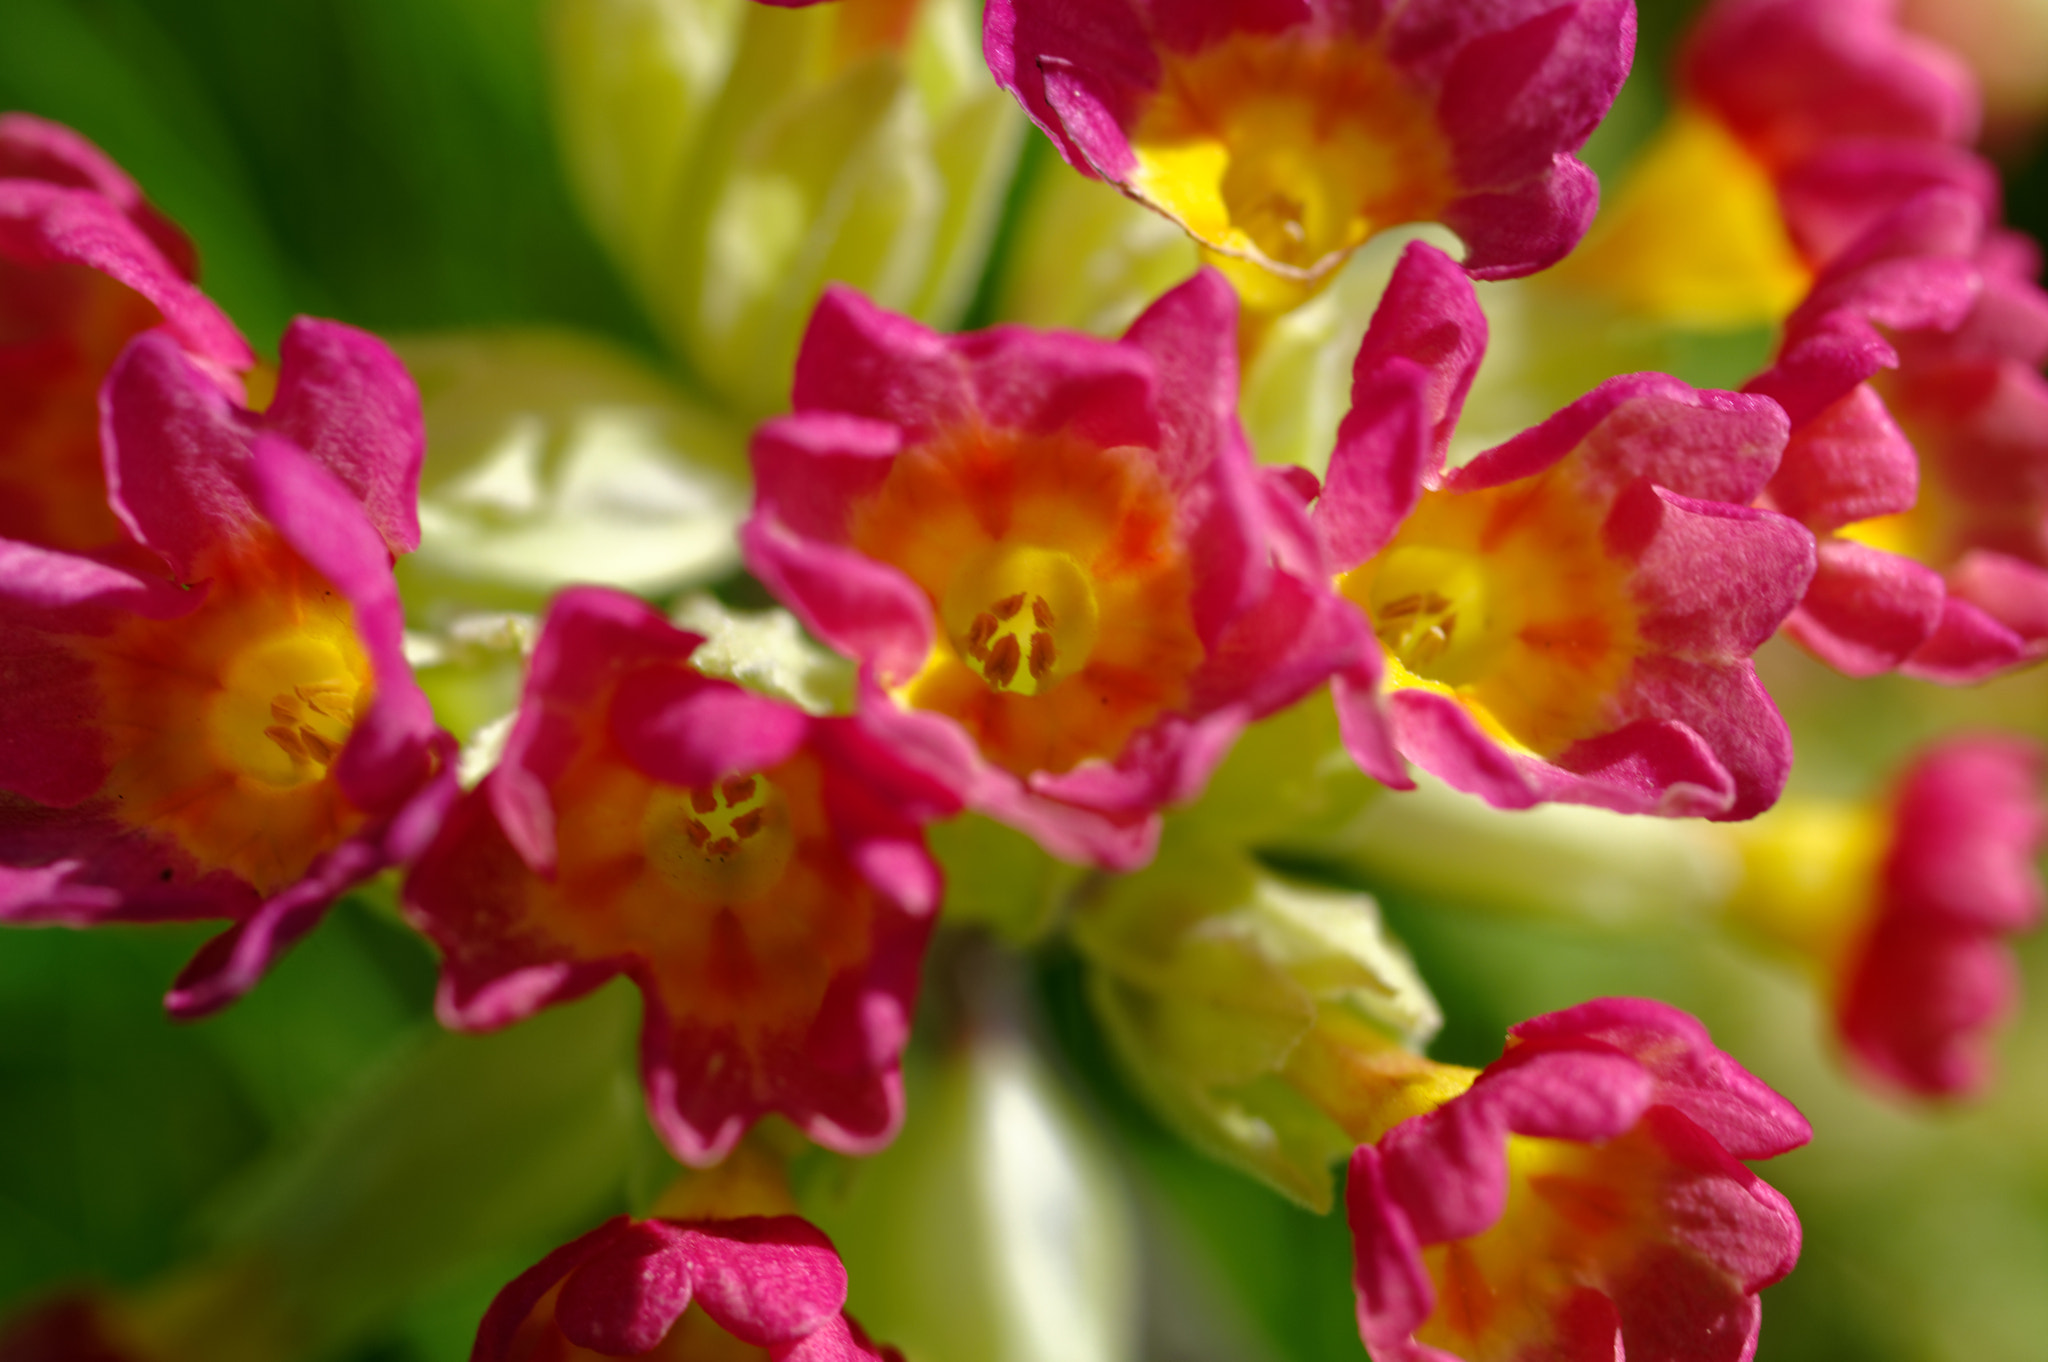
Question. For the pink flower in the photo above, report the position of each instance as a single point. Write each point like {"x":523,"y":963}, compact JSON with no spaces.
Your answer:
{"x":1583,"y":1199}
{"x":707,"y":1288}
{"x":1920,"y":448}
{"x":759,"y":874}
{"x":1930,"y":975}
{"x":1052,"y":552}
{"x":1287,"y":132}
{"x":244,"y":739}
{"x":1846,"y":112}
{"x":85,"y":265}
{"x":1569,"y":616}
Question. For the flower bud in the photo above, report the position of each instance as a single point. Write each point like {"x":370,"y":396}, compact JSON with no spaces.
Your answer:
{"x":1274,"y":1025}
{"x":736,"y":157}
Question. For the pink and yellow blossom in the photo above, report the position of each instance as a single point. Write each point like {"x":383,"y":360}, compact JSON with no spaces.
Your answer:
{"x":1569,"y":616}
{"x":1282,"y":136}
{"x":1919,"y":449}
{"x":1583,"y":1199}
{"x":1903,"y":907}
{"x":1053,"y":553}
{"x":229,"y":729}
{"x":759,"y":873}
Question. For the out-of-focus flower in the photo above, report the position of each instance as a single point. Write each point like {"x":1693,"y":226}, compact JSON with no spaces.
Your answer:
{"x":85,"y":265}
{"x":757,"y":1286}
{"x":757,"y":872}
{"x":1800,"y":123}
{"x":1052,"y":551}
{"x":1582,"y":1199}
{"x":1283,"y":136}
{"x":1275,"y":1025}
{"x":560,"y":459}
{"x":1920,"y":448}
{"x":737,"y":156}
{"x":2005,"y":43}
{"x":244,"y":740}
{"x":1570,"y":615}
{"x":1902,"y":907}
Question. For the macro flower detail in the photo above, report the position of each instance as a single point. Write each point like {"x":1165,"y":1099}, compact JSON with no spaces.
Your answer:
{"x":1845,"y":111}
{"x":767,"y":1287}
{"x":1569,"y":616}
{"x":1582,"y":1199}
{"x":1799,"y":124}
{"x":759,"y":874}
{"x":85,"y":265}
{"x":1053,"y":552}
{"x":1286,"y":135}
{"x":1920,"y":436}
{"x":244,"y":740}
{"x":1903,"y":907}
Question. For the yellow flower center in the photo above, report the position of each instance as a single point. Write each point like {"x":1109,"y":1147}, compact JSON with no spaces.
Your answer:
{"x":1505,"y":600}
{"x":223,"y":726}
{"x":285,"y":707}
{"x":1437,"y":615}
{"x":1059,"y":583}
{"x":1022,"y":618}
{"x":726,"y":844}
{"x":1289,"y":150}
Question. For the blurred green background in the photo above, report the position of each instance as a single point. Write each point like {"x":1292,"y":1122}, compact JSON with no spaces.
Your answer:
{"x":390,"y":163}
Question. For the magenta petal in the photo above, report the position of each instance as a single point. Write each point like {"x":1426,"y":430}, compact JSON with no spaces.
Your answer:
{"x":1692,"y":1074}
{"x":868,"y":611}
{"x":1850,"y":462}
{"x":1867,"y":611}
{"x":683,"y":729}
{"x":1429,"y":315}
{"x":1650,"y":766}
{"x":1512,"y":233}
{"x":344,"y":398}
{"x":1713,"y":446}
{"x":1365,"y":725}
{"x":513,"y":1305}
{"x":766,"y":1280}
{"x":1022,"y":41}
{"x":1970,"y":820}
{"x":1515,"y":98}
{"x":1967,"y":646}
{"x":45,"y":224}
{"x":1394,"y":1292}
{"x":630,"y":1290}
{"x":34,"y":148}
{"x":66,"y":592}
{"x":1378,"y":467}
{"x":1790,"y":76}
{"x":1713,"y":580}
{"x":1833,"y":197}
{"x":1923,"y":1003}
{"x":588,"y":634}
{"x":173,"y":441}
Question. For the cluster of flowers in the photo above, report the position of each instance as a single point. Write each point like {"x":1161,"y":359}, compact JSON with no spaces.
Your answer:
{"x":1069,"y":587}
